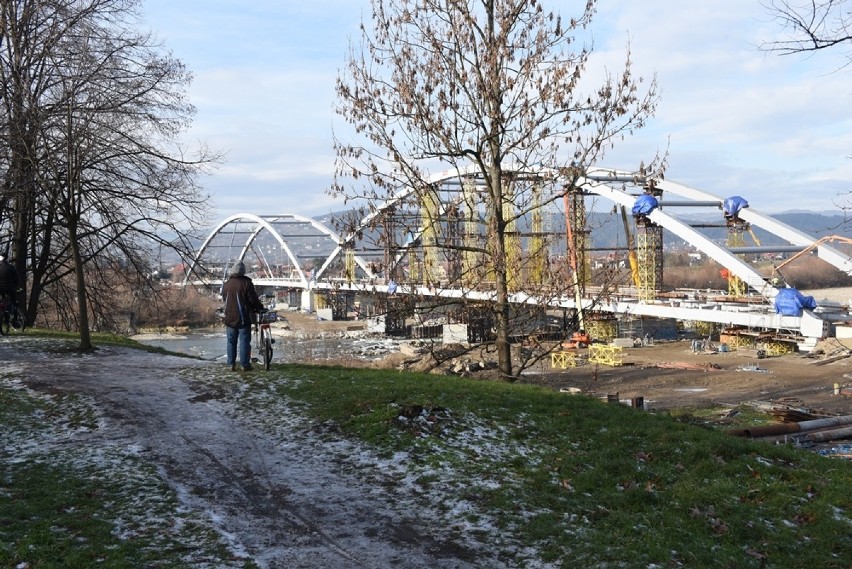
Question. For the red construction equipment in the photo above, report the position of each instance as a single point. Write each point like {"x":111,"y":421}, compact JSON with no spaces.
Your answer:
{"x":579,"y":339}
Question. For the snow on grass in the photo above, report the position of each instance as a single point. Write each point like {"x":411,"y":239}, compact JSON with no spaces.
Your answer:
{"x":442,"y":477}
{"x":65,"y":432}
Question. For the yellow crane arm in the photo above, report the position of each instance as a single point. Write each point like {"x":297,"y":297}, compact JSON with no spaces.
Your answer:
{"x":814,"y":245}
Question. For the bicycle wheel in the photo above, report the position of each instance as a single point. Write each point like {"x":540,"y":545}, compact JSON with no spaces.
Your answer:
{"x":267,"y":352}
{"x":5,"y":323}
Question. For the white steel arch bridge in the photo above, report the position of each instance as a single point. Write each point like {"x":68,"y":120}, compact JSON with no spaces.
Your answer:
{"x":419,"y":243}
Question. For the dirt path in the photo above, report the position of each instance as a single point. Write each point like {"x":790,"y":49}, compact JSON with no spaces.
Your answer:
{"x":288,"y":493}
{"x":290,"y":500}
{"x":727,"y":378}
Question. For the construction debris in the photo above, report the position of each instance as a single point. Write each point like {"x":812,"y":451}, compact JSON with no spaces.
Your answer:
{"x":791,"y":410}
{"x":752,"y":367}
{"x":832,"y":358}
{"x":684,"y":366}
{"x":785,"y":428}
{"x":804,"y":433}
{"x":837,"y":451}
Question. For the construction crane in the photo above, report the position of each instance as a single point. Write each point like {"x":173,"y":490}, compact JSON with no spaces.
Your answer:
{"x":776,"y":269}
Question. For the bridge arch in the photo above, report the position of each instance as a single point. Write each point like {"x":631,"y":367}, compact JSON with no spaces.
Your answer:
{"x":620,"y":188}
{"x":298,"y":237}
{"x":453,"y":189}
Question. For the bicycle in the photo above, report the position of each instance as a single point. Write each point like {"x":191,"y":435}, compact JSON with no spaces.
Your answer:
{"x":10,"y":317}
{"x":263,"y":335}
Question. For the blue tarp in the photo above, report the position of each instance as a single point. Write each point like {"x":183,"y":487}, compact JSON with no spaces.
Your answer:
{"x":733,"y":205}
{"x":790,"y":302}
{"x":644,"y":204}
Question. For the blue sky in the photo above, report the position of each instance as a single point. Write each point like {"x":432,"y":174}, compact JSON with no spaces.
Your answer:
{"x":776,"y":130}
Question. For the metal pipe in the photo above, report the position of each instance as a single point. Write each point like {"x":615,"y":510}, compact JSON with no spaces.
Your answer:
{"x":827,"y":422}
{"x":829,"y":435}
{"x":769,"y":430}
{"x":765,"y":249}
{"x":688,"y":203}
{"x":785,"y":428}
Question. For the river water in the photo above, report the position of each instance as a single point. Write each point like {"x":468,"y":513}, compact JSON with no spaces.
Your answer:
{"x":209,"y":344}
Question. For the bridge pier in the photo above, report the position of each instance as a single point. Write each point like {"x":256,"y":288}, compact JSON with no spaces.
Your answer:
{"x":308,"y":303}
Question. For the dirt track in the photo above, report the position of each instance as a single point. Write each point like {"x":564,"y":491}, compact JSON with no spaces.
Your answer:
{"x":291,"y":499}
{"x":793,"y":377}
{"x":730,"y":379}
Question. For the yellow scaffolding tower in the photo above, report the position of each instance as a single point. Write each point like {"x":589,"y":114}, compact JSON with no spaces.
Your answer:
{"x":736,"y":286}
{"x":606,"y":354}
{"x":429,"y":210}
{"x":513,"y":239}
{"x":649,"y":244}
{"x":349,"y":265}
{"x":537,"y":248}
{"x":470,"y":237}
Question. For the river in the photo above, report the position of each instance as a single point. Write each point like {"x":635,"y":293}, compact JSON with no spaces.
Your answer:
{"x":209,"y":344}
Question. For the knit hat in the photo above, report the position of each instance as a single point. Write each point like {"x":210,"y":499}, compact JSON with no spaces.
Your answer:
{"x":238,"y":269}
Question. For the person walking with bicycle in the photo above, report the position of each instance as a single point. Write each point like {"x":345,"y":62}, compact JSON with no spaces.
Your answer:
{"x":241,"y":301}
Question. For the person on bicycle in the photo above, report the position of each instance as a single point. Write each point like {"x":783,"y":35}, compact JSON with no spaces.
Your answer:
{"x":241,"y":301}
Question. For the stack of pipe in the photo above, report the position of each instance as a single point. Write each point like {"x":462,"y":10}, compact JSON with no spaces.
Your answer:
{"x":815,"y":431}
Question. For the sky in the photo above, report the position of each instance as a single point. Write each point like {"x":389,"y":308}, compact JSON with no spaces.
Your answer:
{"x":776,"y":130}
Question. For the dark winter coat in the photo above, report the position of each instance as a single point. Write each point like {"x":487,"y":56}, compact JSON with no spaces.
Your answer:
{"x":241,"y":301}
{"x":8,"y":279}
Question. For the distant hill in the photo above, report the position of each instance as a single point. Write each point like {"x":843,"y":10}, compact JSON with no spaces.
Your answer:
{"x":606,"y":229}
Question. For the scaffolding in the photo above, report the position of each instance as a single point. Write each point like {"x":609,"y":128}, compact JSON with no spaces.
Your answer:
{"x":606,"y":354}
{"x":649,"y":245}
{"x":603,"y":329}
{"x":513,"y":239}
{"x":736,"y":286}
{"x":471,"y":258}
{"x":537,"y":242}
{"x":349,"y":265}
{"x":563,"y":360}
{"x":430,"y":204}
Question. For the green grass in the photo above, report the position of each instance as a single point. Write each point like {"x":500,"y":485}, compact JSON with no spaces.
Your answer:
{"x":68,"y":342}
{"x":541,"y":475}
{"x":69,"y":506}
{"x":589,"y":483}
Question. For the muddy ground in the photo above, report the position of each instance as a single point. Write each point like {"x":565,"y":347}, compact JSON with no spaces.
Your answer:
{"x":294,"y":498}
{"x":288,"y":499}
{"x":724,"y":378}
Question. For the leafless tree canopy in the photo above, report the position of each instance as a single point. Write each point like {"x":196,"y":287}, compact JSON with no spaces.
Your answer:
{"x":94,"y":176}
{"x":810,"y":26}
{"x":503,"y":85}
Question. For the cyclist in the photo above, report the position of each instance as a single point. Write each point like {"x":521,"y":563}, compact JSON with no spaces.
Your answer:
{"x":8,"y":284}
{"x":241,"y":301}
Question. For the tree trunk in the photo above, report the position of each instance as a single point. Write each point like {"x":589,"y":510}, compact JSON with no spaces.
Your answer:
{"x":83,"y":307}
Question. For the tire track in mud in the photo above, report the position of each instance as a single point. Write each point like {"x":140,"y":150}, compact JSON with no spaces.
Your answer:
{"x":285,"y":503}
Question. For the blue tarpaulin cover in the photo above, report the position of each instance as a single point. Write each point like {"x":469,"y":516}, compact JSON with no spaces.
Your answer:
{"x":790,"y":302}
{"x":733,"y":205}
{"x":644,"y":204}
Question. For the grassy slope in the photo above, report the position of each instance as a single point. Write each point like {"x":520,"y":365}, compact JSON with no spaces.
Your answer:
{"x":590,"y":483}
{"x":575,"y":481}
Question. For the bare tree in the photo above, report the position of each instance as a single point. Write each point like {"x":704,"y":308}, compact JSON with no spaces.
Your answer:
{"x":111,"y":181}
{"x":499,"y":86}
{"x":810,"y":26}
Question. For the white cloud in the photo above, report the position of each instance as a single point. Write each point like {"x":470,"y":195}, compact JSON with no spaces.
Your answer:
{"x":737,"y":118}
